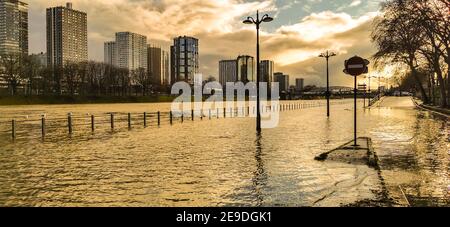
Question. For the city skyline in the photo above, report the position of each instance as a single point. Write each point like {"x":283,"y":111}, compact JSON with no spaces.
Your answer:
{"x":300,"y":31}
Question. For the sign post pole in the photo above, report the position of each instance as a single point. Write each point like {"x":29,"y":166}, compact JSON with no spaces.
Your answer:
{"x":355,"y":112}
{"x":356,"y":66}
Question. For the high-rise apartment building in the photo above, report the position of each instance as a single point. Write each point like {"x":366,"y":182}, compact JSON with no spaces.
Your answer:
{"x":158,"y":65}
{"x":13,"y":27}
{"x":227,"y":71}
{"x":110,"y":53}
{"x":266,"y":69}
{"x":283,"y":81}
{"x":184,"y":59}
{"x":131,"y":50}
{"x":66,"y":35}
{"x":246,"y":69}
{"x":299,"y":84}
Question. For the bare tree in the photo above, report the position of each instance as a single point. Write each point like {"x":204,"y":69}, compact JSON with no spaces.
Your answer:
{"x":74,"y":78}
{"x":30,"y":68}
{"x":433,"y":16}
{"x":71,"y":77}
{"x":124,"y":80}
{"x":100,"y":73}
{"x":46,"y":81}
{"x":399,"y":38}
{"x":11,"y":71}
{"x":417,"y":34}
{"x":110,"y":80}
{"x":141,"y":76}
{"x":82,"y":75}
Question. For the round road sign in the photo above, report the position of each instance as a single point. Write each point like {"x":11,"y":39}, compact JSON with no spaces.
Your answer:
{"x":356,"y":66}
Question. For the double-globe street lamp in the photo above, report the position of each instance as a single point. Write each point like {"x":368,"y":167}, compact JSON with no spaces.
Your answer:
{"x":257,"y":22}
{"x":327,"y":55}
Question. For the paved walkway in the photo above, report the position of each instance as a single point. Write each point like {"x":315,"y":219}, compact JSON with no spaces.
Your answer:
{"x":367,"y":178}
{"x":396,"y":102}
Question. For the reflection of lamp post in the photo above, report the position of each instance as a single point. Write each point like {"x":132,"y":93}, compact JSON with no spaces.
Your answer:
{"x":387,"y":85}
{"x":379,"y":85}
{"x":435,"y":81}
{"x":370,"y":89}
{"x":257,"y":22}
{"x":328,"y":55}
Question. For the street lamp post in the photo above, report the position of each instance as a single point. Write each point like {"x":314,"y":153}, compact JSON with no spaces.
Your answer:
{"x":379,"y":85}
{"x":257,"y":22}
{"x":387,"y":84}
{"x":327,"y":56}
{"x":370,"y":88}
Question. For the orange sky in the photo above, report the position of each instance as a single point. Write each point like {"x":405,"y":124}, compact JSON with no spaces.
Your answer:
{"x":301,"y":30}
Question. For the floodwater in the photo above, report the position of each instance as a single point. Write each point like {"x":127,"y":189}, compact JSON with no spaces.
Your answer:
{"x":220,"y":162}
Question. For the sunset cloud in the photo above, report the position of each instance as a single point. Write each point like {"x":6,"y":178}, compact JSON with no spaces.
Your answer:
{"x":293,"y":46}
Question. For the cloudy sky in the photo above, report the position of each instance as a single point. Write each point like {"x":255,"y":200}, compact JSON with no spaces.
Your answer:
{"x":301,"y":30}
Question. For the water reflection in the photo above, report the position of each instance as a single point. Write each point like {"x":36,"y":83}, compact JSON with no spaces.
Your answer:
{"x":326,"y":131}
{"x":260,"y":175}
{"x":412,"y":146}
{"x":221,"y":162}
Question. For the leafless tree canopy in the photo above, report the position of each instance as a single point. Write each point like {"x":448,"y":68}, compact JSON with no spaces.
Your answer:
{"x":416,"y":33}
{"x":84,"y":78}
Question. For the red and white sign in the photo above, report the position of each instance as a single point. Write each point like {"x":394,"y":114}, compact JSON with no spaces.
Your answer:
{"x":356,"y":66}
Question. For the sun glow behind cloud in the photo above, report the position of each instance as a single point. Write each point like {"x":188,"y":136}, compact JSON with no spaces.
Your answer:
{"x":218,"y":25}
{"x":318,"y":31}
{"x":320,"y":25}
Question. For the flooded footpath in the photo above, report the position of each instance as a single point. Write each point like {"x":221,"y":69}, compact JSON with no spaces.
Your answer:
{"x":223,"y":162}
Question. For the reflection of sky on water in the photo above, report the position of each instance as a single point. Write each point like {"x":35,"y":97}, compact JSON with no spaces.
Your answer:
{"x":222,"y":162}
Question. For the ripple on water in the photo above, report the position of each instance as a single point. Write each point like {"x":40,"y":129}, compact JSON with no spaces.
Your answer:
{"x":221,"y":162}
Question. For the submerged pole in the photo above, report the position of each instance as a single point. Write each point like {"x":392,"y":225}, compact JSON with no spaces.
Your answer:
{"x":129,"y":121}
{"x":159,"y":118}
{"x":355,"y":112}
{"x":43,"y":127}
{"x":13,"y":129}
{"x":112,"y":121}
{"x":69,"y":122}
{"x":92,"y":123}
{"x":145,"y":119}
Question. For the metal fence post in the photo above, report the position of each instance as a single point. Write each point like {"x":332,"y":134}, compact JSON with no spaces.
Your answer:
{"x":13,"y":129}
{"x":69,"y":122}
{"x":145,"y":119}
{"x":92,"y":123}
{"x":129,"y":121}
{"x":43,"y":127}
{"x":159,"y":118}
{"x":112,"y":121}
